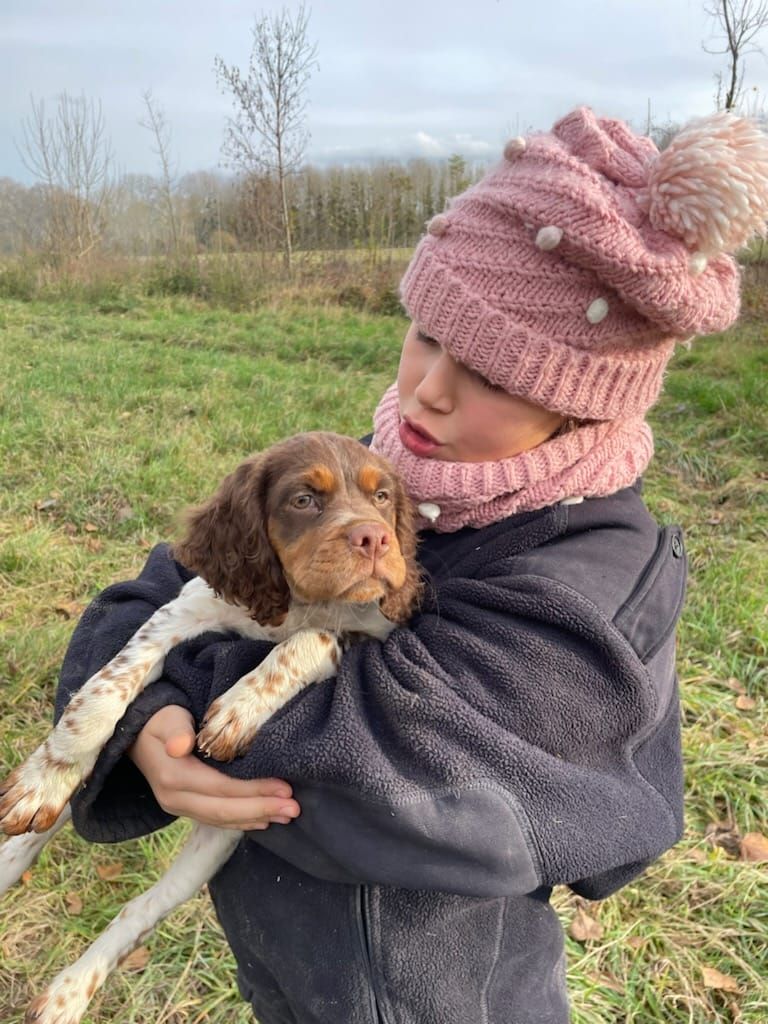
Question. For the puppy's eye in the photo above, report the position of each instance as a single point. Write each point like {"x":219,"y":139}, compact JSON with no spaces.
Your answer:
{"x":302,"y":501}
{"x":381,"y":497}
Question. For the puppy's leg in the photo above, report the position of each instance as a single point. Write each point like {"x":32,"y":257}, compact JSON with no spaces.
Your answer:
{"x":235,"y":717}
{"x":34,"y":794}
{"x":66,"y":998}
{"x":18,"y":852}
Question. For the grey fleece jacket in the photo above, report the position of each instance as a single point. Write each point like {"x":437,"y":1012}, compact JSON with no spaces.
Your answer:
{"x":521,"y":732}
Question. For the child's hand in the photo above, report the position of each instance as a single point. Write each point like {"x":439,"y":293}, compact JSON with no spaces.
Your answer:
{"x":185,"y":786}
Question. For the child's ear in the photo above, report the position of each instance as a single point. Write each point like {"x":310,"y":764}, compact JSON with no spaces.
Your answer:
{"x":226,"y":543}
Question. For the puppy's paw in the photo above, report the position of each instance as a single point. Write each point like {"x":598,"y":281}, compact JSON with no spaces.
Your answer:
{"x":231,"y":724}
{"x":65,"y":1000}
{"x":34,"y":794}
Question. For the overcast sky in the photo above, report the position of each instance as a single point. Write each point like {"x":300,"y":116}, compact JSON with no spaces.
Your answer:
{"x":396,"y":78}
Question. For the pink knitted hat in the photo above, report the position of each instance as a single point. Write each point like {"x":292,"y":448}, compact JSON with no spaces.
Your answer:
{"x":567,"y":274}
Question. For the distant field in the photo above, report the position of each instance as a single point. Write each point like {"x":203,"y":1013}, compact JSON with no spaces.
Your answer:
{"x":114,"y":417}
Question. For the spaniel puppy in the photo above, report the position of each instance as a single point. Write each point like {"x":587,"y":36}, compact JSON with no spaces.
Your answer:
{"x":309,"y":545}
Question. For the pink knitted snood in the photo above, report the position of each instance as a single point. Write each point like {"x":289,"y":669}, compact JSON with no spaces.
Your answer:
{"x":592,"y":461}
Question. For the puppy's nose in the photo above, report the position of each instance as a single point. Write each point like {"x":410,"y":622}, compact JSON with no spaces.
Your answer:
{"x":370,"y":539}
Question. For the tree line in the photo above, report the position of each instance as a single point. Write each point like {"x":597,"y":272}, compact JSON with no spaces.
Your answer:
{"x":272,"y":200}
{"x":381,"y":205}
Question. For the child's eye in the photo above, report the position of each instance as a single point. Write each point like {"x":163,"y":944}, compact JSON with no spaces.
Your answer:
{"x":425,"y":339}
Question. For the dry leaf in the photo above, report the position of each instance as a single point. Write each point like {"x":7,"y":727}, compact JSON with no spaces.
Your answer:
{"x":583,"y":927}
{"x":754,"y":847}
{"x":635,"y":942}
{"x":109,"y":872}
{"x":137,"y":960}
{"x":124,"y":513}
{"x":74,"y":903}
{"x":697,"y":854}
{"x":725,"y":835}
{"x":745,"y":703}
{"x":91,"y":528}
{"x":715,"y":979}
{"x":70,"y":609}
{"x":45,"y":503}
{"x":735,"y":685}
{"x":26,"y":877}
{"x":93,"y":544}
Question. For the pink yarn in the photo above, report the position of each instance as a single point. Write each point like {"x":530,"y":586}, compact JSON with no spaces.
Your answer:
{"x":593,"y":461}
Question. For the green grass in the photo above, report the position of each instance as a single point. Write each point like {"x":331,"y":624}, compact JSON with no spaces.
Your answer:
{"x":114,"y":417}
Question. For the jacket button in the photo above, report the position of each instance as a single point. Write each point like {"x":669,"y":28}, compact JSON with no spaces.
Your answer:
{"x":677,"y":547}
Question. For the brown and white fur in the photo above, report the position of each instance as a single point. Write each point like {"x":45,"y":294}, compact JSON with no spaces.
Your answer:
{"x":306,"y":545}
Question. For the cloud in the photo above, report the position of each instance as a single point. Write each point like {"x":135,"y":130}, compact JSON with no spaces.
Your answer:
{"x":428,"y":144}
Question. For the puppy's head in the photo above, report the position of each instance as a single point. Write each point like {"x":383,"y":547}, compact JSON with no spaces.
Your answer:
{"x":315,"y":518}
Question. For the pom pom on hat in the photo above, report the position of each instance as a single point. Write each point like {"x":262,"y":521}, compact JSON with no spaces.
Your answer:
{"x":710,"y":186}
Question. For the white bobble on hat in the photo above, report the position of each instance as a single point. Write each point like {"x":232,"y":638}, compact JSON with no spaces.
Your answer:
{"x":697,"y":264}
{"x":549,"y":237}
{"x":514,"y":148}
{"x":438,"y":225}
{"x":430,"y":511}
{"x":597,"y":311}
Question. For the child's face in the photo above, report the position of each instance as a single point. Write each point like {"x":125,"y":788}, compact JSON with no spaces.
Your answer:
{"x":450,"y":412}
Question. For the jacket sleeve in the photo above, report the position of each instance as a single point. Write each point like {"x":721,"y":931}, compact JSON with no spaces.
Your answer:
{"x":510,"y":737}
{"x":124,"y":807}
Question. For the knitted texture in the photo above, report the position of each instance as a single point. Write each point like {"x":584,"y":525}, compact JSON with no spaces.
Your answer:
{"x":596,"y":460}
{"x":567,"y":274}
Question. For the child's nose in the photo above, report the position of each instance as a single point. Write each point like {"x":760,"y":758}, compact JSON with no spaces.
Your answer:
{"x":436,"y":386}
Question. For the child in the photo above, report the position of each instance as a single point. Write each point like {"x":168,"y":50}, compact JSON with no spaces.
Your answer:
{"x":522,"y":732}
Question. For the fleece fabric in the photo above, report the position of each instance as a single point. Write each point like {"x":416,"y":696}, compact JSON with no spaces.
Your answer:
{"x":521,"y":732}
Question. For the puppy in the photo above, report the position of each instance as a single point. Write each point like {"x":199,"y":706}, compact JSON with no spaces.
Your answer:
{"x":310,"y":545}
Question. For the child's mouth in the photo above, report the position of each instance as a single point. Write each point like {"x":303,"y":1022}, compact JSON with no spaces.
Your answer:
{"x":416,"y":440}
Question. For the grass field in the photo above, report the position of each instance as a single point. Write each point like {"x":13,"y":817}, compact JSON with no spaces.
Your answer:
{"x":114,"y":417}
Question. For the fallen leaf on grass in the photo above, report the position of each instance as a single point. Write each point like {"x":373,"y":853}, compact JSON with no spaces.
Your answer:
{"x":583,"y":927}
{"x":70,"y":609}
{"x":26,"y":877}
{"x":91,"y":528}
{"x":735,"y":685}
{"x":93,"y":544}
{"x":124,"y":513}
{"x":137,"y":960}
{"x":718,"y":980}
{"x":74,"y":903}
{"x":745,"y":703}
{"x":725,"y":835}
{"x":43,"y":504}
{"x":109,"y":872}
{"x":754,"y":847}
{"x":697,"y":855}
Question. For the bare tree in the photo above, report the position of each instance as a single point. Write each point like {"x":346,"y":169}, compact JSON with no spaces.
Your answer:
{"x":155,"y":122}
{"x":69,"y":154}
{"x":268,"y":131}
{"x":739,"y":22}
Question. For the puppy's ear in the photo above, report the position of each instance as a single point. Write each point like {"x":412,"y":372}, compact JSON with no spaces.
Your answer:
{"x":226,"y":543}
{"x":399,"y":605}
